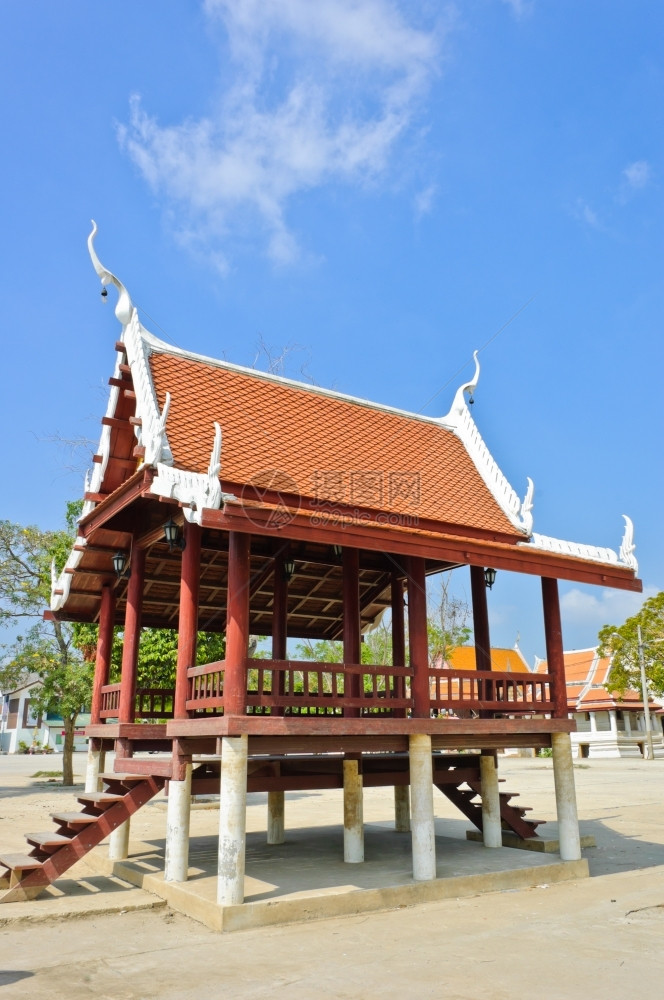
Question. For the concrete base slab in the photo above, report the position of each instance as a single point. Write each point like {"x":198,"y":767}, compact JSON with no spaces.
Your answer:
{"x":306,"y":879}
{"x":543,"y":845}
{"x":72,"y":898}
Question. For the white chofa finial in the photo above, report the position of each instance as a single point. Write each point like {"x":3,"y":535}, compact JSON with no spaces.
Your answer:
{"x":213,"y":490}
{"x":527,"y":506}
{"x":627,"y":546}
{"x":124,"y":307}
{"x":459,"y":403}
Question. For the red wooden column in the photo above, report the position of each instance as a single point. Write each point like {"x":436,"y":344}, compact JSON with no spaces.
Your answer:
{"x":553,"y":634}
{"x":190,"y":576}
{"x":418,"y":642}
{"x":237,"y":624}
{"x":279,"y":624}
{"x":104,"y":650}
{"x":132,"y":635}
{"x":480,"y":619}
{"x":398,"y":637}
{"x":351,"y":631}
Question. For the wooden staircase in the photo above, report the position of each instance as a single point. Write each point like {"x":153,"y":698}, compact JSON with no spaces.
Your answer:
{"x":24,"y":876}
{"x":466,"y":796}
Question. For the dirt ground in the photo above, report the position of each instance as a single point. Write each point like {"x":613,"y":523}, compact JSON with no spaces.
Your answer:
{"x":596,"y":938}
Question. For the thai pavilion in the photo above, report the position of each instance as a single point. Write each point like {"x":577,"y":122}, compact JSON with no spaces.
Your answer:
{"x":227,"y":500}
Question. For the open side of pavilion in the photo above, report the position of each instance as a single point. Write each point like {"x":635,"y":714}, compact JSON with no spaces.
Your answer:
{"x":227,"y":500}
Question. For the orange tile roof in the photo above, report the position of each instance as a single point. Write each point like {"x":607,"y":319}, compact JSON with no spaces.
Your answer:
{"x":282,"y":436}
{"x":508,"y":660}
{"x":585,"y":676}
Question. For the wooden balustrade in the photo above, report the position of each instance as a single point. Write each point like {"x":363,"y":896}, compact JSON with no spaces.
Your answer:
{"x":300,"y":687}
{"x":110,"y":701}
{"x":150,"y":703}
{"x":489,"y":690}
{"x":307,"y":687}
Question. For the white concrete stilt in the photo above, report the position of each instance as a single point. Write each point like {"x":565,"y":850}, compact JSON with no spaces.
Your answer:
{"x":275,"y":817}
{"x":421,"y":800}
{"x":232,"y":820}
{"x":178,"y":814}
{"x":118,"y":843}
{"x":353,"y":813}
{"x":402,"y":808}
{"x":94,"y":768}
{"x":563,"y":776}
{"x":492,"y":833}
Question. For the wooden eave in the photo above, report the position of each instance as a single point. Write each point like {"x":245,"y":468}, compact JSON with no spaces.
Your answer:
{"x":448,"y":549}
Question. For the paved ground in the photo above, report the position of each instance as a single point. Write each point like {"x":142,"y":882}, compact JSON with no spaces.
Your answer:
{"x":596,"y":938}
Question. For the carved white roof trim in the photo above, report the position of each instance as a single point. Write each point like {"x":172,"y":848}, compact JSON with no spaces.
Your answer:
{"x":594,"y":553}
{"x":461,"y":423}
{"x":152,"y":432}
{"x":196,"y":490}
{"x":63,"y":581}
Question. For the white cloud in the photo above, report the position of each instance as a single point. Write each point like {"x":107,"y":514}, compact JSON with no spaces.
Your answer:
{"x":638,"y":174}
{"x":607,"y":607}
{"x":424,"y":200}
{"x":585,"y":213}
{"x":322,"y":92}
{"x":520,"y":8}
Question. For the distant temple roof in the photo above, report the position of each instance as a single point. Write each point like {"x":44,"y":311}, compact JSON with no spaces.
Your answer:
{"x":586,"y":675}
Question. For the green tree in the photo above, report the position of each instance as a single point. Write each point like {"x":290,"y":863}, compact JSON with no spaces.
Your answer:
{"x":621,"y":643}
{"x":447,"y":624}
{"x":45,"y":650}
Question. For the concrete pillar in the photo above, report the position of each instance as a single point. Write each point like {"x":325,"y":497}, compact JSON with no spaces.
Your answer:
{"x":177,"y":829}
{"x":353,"y":813}
{"x":95,"y":767}
{"x":563,"y":776}
{"x":421,"y":798}
{"x":593,"y":722}
{"x":275,"y":817}
{"x":492,"y":832}
{"x":402,"y":808}
{"x":613,"y":720}
{"x":118,"y":843}
{"x":232,"y":820}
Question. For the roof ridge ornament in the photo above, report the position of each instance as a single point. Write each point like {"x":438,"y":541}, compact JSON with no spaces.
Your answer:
{"x":459,"y":403}
{"x":459,"y":420}
{"x":124,"y":307}
{"x":526,"y":510}
{"x":155,"y":444}
{"x":627,"y":545}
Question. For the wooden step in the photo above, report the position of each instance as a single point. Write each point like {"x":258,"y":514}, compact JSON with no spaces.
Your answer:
{"x":74,"y":820}
{"x":47,"y":842}
{"x":126,"y":779}
{"x":99,"y":800}
{"x":20,"y":862}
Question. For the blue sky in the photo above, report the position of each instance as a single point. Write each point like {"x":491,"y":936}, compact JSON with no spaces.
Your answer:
{"x":382,"y":186}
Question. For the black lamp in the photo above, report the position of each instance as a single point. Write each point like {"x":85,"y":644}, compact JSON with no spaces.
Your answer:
{"x":338,"y":551}
{"x":489,"y":577}
{"x":120,"y":565}
{"x":289,"y":568}
{"x":173,"y":536}
{"x":104,"y":294}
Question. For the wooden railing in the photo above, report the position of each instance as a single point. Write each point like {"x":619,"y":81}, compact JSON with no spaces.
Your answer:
{"x":110,"y":701}
{"x":490,"y":690}
{"x":150,"y":703}
{"x":297,"y":687}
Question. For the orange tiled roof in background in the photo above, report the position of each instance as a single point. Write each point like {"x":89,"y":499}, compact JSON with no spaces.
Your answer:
{"x":324,"y":447}
{"x":506,"y":660}
{"x":585,"y":675}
